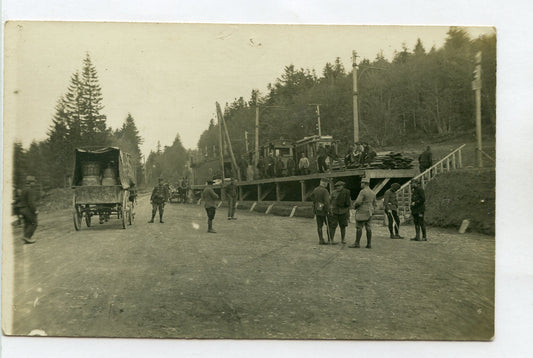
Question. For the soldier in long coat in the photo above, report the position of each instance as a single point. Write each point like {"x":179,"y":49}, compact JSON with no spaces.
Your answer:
{"x":209,"y":197}
{"x":28,"y":209}
{"x":365,"y":205}
{"x":418,"y":208}
{"x":321,"y":209}
{"x":158,"y":199}
{"x":390,"y":203}
{"x":231,"y":190}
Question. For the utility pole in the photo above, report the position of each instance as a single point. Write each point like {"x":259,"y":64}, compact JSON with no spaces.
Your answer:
{"x":221,"y":147}
{"x":256,"y":156}
{"x":319,"y":126}
{"x":228,"y":140}
{"x":355,"y":109}
{"x":318,"y":115}
{"x":476,"y":86}
{"x":246,"y":141}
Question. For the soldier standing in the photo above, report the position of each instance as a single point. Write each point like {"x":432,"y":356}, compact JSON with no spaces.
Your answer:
{"x":230,"y":190}
{"x":290,"y":166}
{"x":340,"y":210}
{"x":364,"y":205}
{"x":390,"y":203}
{"x":28,"y":209}
{"x":321,"y":159}
{"x":321,"y":209}
{"x":418,"y":207}
{"x":209,"y":197}
{"x":158,"y":199}
{"x":425,"y":160}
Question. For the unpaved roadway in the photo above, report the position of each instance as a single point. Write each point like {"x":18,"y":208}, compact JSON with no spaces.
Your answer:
{"x":260,"y":276}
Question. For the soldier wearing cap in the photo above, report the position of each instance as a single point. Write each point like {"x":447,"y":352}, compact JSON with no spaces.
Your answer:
{"x":209,"y":197}
{"x":28,"y":209}
{"x":158,"y":199}
{"x":418,"y":200}
{"x":230,"y":190}
{"x":321,"y":209}
{"x":340,"y":210}
{"x":364,"y":205}
{"x":390,"y":203}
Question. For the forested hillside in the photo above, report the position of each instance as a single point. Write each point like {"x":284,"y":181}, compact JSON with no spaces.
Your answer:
{"x":419,"y":93}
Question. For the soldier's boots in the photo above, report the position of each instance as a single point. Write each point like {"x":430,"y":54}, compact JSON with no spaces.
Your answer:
{"x":29,"y":240}
{"x":321,"y":237}
{"x":161,"y":219}
{"x":343,"y":235}
{"x":417,"y":231}
{"x":210,"y":227}
{"x":358,"y":235}
{"x":368,"y":239}
{"x":332,"y":236}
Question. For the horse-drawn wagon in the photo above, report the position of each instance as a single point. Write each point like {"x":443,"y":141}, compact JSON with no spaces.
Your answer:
{"x":104,"y":185}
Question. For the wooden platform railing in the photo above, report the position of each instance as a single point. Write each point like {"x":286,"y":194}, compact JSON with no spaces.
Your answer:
{"x":452,"y":161}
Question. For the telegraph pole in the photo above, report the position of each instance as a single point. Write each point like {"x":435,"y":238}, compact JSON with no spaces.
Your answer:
{"x":355,"y":109}
{"x":476,"y":86}
{"x":256,"y":156}
{"x":318,"y":115}
{"x":220,"y":141}
{"x":246,"y":141}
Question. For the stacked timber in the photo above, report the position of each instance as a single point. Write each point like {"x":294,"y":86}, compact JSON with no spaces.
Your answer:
{"x":391,"y":160}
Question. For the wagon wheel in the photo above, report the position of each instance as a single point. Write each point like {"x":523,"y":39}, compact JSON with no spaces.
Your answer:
{"x":88,"y":217}
{"x":123,"y":209}
{"x":131,"y":215}
{"x":76,"y":214}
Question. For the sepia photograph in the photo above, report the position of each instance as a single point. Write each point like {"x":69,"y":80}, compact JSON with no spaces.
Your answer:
{"x":240,"y":181}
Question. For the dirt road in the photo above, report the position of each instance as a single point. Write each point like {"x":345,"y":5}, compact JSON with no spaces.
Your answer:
{"x":259,"y":277}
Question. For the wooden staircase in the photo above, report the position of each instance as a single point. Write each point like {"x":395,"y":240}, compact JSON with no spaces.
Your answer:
{"x":452,"y":161}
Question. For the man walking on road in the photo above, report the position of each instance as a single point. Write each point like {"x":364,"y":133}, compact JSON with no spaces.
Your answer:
{"x":230,"y":190}
{"x":28,"y":209}
{"x":209,"y":197}
{"x":340,"y":210}
{"x":321,"y":209}
{"x":364,"y":205}
{"x":390,"y":203}
{"x":418,"y":207}
{"x":158,"y":199}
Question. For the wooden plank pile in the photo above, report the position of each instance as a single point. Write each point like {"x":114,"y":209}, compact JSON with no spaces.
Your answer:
{"x":391,"y":160}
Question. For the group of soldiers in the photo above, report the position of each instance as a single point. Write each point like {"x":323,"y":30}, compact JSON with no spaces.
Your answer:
{"x":333,"y":210}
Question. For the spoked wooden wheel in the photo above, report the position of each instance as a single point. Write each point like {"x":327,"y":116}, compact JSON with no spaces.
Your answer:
{"x":124,"y":208}
{"x":88,"y":217}
{"x":76,"y":215}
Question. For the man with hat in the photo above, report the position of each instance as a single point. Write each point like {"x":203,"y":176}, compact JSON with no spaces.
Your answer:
{"x":390,"y":203}
{"x":158,"y":199}
{"x":230,"y":190}
{"x":364,"y":205}
{"x":340,"y":210}
{"x":209,"y":197}
{"x":28,"y":209}
{"x":418,"y":199}
{"x":321,"y":209}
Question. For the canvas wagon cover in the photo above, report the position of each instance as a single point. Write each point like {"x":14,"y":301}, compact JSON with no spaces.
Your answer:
{"x":126,"y":172}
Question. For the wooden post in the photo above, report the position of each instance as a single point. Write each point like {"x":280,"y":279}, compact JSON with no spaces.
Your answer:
{"x":476,"y":86}
{"x":258,"y":192}
{"x":355,"y":109}
{"x":220,"y":141}
{"x":460,"y":157}
{"x":256,"y":156}
{"x":233,"y":161}
{"x":454,"y":164}
{"x":302,"y":188}
{"x":448,"y":164}
{"x":277,"y":192}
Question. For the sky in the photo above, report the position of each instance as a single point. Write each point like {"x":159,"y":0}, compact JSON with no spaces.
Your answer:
{"x":169,"y":76}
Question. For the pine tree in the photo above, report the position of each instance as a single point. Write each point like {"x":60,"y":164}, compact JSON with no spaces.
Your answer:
{"x":93,"y":121}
